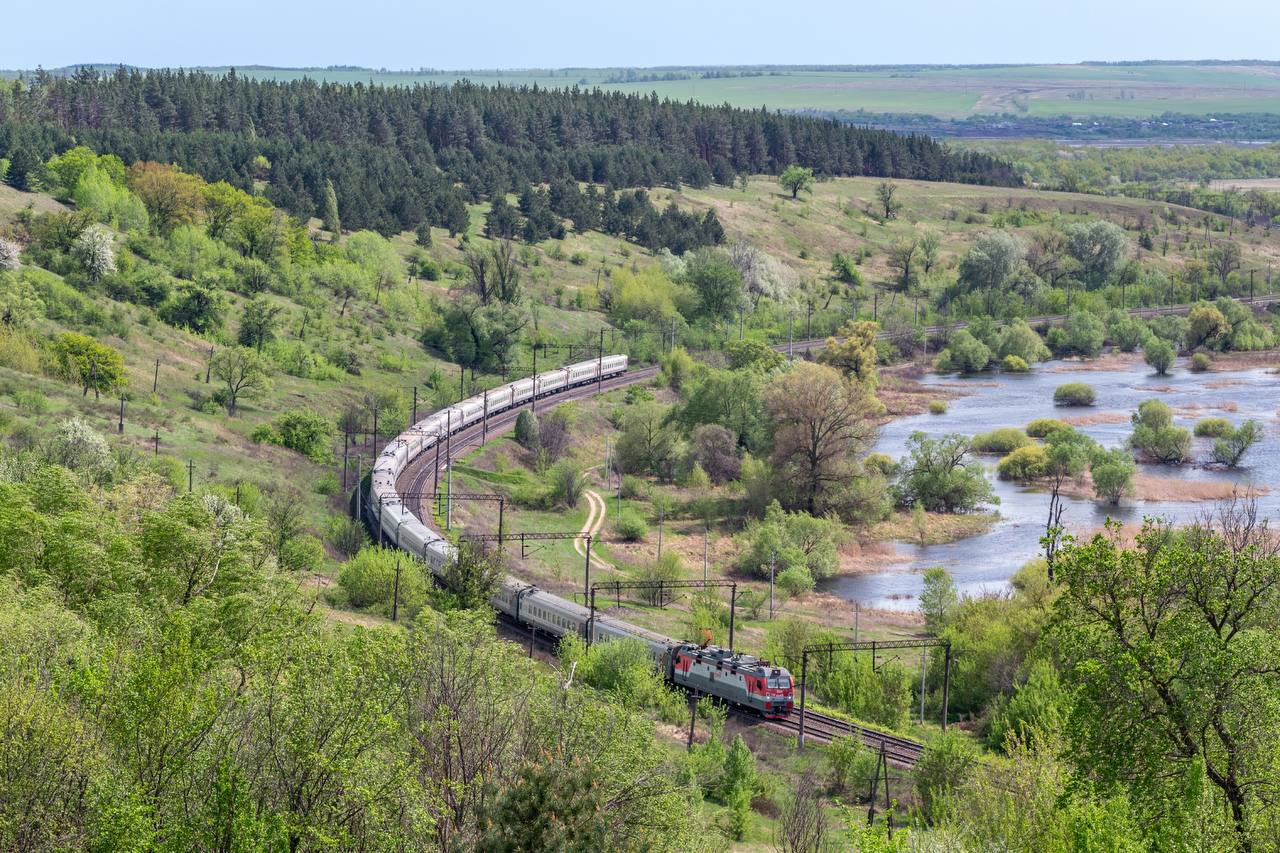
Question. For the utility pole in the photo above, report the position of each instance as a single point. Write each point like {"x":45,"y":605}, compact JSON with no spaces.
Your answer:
{"x":662,"y":514}
{"x":586,"y":578}
{"x":208,"y":369}
{"x":462,"y":376}
{"x":435,"y":472}
{"x":155,"y":380}
{"x":156,"y":438}
{"x":122,"y":414}
{"x":359,"y":489}
{"x":191,"y":474}
{"x":533,"y":397}
{"x":706,"y":536}
{"x":773,"y":560}
{"x":857,"y":608}
{"x":922,"y":672}
{"x":791,"y":328}
{"x":415,"y":404}
{"x":484,"y":419}
{"x":600,"y":357}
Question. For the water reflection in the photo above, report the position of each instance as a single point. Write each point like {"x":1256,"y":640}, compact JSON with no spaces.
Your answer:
{"x":986,"y":562}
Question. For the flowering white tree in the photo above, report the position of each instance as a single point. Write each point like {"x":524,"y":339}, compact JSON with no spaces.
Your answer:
{"x":9,"y":251}
{"x":80,"y":447}
{"x":95,"y":247}
{"x":763,"y":274}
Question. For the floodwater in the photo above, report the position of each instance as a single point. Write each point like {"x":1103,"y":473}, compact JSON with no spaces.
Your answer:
{"x":985,"y":563}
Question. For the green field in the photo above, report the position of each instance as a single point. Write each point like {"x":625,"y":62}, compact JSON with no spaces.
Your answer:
{"x":1132,"y":91}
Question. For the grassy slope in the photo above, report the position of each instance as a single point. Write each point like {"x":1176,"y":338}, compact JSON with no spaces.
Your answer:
{"x":803,"y":233}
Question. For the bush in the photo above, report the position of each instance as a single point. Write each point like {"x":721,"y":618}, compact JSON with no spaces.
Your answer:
{"x":1020,"y":340}
{"x":966,"y":354}
{"x":1200,"y":362}
{"x":1127,"y":333}
{"x":1041,"y":427}
{"x":936,"y":473}
{"x":1112,"y":472}
{"x":945,"y":764}
{"x":369,"y":579}
{"x":1024,"y":464}
{"x":346,"y":534}
{"x":1074,"y":394}
{"x":631,"y":526}
{"x":305,"y":432}
{"x":526,"y":431}
{"x":1014,"y":364}
{"x":1003,"y":440}
{"x":851,"y":764}
{"x":567,"y":484}
{"x":1159,"y":354}
{"x":1213,"y":428}
{"x":1155,"y":436}
{"x":1234,"y":444}
{"x":937,"y":407}
{"x":1082,"y":334}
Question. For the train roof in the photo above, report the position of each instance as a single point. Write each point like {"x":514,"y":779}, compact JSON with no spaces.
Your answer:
{"x":716,"y":654}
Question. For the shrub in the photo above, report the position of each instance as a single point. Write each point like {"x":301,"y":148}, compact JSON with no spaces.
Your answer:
{"x":1082,"y":334}
{"x":633,"y":488}
{"x":1014,"y":364}
{"x":1159,"y":354}
{"x":305,"y":432}
{"x":369,"y":580}
{"x":631,"y":526}
{"x":1004,"y":440}
{"x":1234,"y":444}
{"x":346,"y":534}
{"x":937,"y":473}
{"x":1213,"y":428}
{"x":567,"y":483}
{"x":1112,"y":472}
{"x":946,"y":763}
{"x":1019,"y":339}
{"x":1200,"y":362}
{"x":1074,"y":394}
{"x":526,"y":431}
{"x":1024,"y":464}
{"x":1155,"y":436}
{"x":937,"y":407}
{"x":851,"y":764}
{"x":966,"y":354}
{"x":1127,"y":333}
{"x":1041,"y":427}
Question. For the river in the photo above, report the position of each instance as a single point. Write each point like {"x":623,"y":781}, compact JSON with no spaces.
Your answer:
{"x":984,"y":563}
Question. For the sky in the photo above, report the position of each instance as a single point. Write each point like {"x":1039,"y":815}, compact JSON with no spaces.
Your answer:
{"x":400,"y":34}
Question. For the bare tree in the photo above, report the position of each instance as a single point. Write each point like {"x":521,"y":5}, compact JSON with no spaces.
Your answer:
{"x":802,"y":826}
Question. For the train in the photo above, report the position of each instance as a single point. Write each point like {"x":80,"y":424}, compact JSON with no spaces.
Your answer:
{"x":741,"y":680}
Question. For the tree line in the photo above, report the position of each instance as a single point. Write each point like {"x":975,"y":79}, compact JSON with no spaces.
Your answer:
{"x":398,"y":156}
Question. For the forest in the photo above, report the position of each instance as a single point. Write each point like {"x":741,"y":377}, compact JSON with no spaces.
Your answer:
{"x":401,"y":156}
{"x":200,"y":648}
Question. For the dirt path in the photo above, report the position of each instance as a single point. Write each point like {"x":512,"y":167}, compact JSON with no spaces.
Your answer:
{"x":596,"y":512}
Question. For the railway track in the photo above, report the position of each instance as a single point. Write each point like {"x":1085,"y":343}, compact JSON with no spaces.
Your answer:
{"x":822,"y":728}
{"x":819,"y":728}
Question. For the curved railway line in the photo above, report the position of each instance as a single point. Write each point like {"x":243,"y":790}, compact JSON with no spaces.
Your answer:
{"x":819,"y":728}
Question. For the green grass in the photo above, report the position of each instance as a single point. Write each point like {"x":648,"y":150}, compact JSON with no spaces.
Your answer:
{"x":1039,"y":90}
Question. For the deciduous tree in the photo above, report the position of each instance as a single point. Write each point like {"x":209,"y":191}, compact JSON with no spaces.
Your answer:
{"x":820,"y":422}
{"x":243,"y":374}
